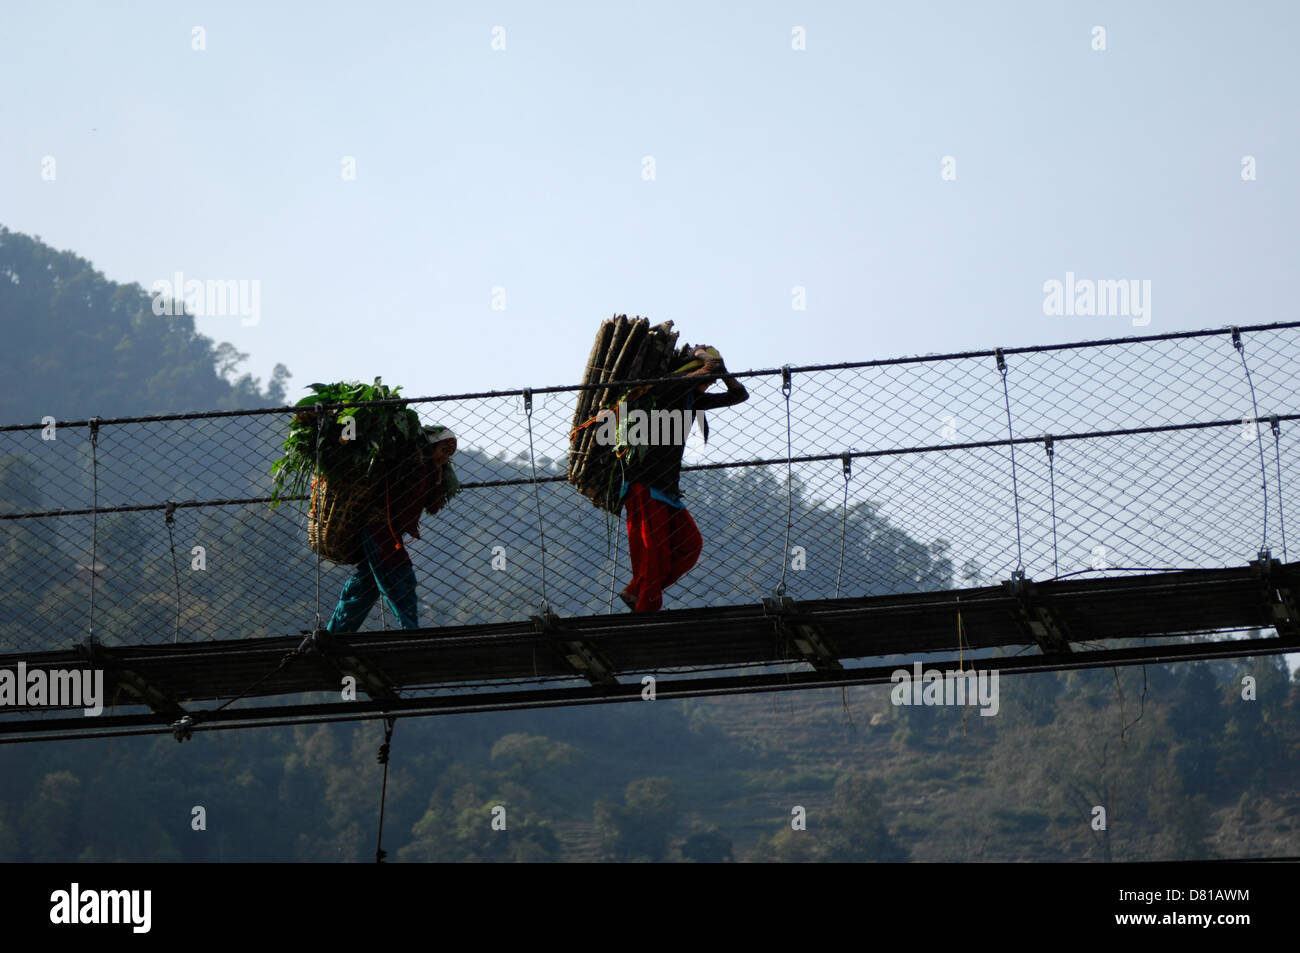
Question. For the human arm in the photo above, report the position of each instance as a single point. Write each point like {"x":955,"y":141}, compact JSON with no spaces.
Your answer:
{"x":735,"y":393}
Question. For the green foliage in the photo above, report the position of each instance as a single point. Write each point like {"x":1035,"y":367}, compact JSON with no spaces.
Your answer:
{"x":523,"y":757}
{"x":470,"y":835}
{"x":855,"y":829}
{"x":707,"y":847}
{"x":638,"y":829}
{"x":56,"y":810}
{"x":358,"y":438}
{"x":787,"y":846}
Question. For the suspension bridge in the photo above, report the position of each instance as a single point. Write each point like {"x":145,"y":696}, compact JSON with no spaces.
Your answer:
{"x":1095,"y":503}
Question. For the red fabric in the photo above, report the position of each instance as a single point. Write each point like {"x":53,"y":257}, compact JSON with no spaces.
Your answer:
{"x":664,"y":542}
{"x":403,"y":504}
{"x":392,"y":552}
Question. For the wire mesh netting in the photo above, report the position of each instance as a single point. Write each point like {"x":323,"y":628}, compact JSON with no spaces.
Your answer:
{"x":892,"y":476}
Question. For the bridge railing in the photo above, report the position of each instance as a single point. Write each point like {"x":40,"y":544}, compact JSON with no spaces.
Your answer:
{"x":1164,"y":453}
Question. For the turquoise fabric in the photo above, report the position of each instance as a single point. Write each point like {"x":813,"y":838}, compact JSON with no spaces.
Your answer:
{"x":674,"y":501}
{"x":395,"y":582}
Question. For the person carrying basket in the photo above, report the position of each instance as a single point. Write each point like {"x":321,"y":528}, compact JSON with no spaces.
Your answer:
{"x":383,"y":565}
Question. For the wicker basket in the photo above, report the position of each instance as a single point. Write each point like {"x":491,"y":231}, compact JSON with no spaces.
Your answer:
{"x":338,"y":513}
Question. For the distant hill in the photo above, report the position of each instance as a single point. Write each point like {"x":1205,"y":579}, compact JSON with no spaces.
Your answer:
{"x":77,"y":343}
{"x":1184,"y":766}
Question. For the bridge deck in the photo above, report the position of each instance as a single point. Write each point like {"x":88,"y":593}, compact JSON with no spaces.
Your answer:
{"x":832,"y":636}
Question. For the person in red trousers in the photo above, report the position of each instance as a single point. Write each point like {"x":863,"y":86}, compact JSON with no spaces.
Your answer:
{"x":663,"y":539}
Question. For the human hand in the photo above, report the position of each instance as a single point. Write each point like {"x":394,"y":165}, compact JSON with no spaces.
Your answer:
{"x":712,"y":361}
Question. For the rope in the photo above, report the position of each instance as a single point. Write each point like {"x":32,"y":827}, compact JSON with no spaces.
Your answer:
{"x":1015,"y":489}
{"x":1051,"y":473}
{"x":94,"y":517}
{"x":786,"y":387}
{"x":389,"y":724}
{"x":629,"y":395}
{"x":537,"y":493}
{"x":170,"y":520}
{"x":613,"y":521}
{"x":1277,"y":455}
{"x":613,"y":574}
{"x":1259,"y":438}
{"x":844,"y":519}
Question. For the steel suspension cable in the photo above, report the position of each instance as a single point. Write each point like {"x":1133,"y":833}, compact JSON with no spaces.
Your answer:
{"x":94,"y":517}
{"x":1259,"y":438}
{"x":389,"y":724}
{"x":1277,"y":455}
{"x":1051,"y":474}
{"x":537,"y":493}
{"x":756,"y":372}
{"x":1015,"y":489}
{"x":170,"y":519}
{"x":732,"y":464}
{"x":786,"y":387}
{"x":847,"y":463}
{"x":318,"y":500}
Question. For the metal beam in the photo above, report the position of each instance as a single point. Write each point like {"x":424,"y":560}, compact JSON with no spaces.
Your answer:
{"x":584,"y":659}
{"x":802,"y":635}
{"x":468,"y":703}
{"x":341,"y":655}
{"x":1278,"y":596}
{"x":98,"y":655}
{"x":1037,"y":618}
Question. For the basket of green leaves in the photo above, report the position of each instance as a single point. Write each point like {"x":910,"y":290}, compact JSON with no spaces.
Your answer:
{"x":347,"y":439}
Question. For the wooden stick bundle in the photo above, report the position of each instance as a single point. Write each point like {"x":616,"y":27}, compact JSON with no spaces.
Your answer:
{"x":625,"y":349}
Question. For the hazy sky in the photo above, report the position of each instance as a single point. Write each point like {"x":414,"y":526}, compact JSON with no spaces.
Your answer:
{"x":524,"y":169}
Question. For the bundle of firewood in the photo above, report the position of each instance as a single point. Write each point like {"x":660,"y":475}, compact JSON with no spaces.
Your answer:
{"x":625,"y":350}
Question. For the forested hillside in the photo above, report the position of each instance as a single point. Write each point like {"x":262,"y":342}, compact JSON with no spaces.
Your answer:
{"x":1184,"y":765}
{"x":78,"y":344}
